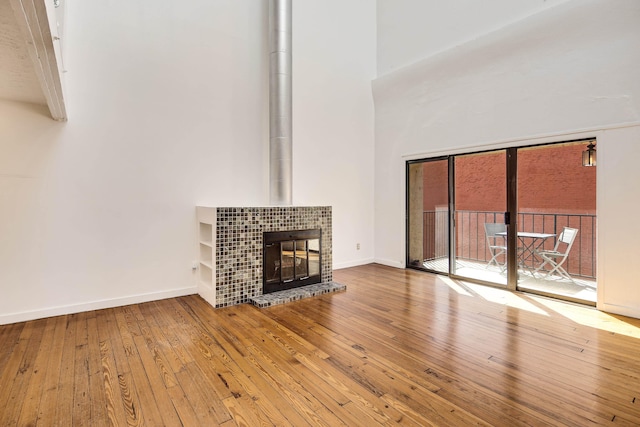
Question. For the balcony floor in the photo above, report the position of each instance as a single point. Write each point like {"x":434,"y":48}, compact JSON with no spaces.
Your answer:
{"x":580,"y":288}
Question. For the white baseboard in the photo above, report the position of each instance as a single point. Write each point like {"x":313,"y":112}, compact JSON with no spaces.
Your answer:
{"x":354,"y":263}
{"x":619,"y":309}
{"x":95,"y":305}
{"x":389,"y":263}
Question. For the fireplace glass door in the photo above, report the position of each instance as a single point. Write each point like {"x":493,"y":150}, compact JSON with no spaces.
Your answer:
{"x":291,"y":259}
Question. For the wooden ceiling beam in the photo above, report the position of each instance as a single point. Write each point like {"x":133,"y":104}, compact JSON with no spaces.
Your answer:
{"x":33,"y":20}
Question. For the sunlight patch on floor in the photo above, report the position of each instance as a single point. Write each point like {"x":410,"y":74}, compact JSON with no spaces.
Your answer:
{"x":504,"y":297}
{"x":587,"y":316}
{"x":454,"y":285}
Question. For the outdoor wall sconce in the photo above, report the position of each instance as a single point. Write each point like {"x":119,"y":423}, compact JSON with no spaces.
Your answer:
{"x":589,"y":155}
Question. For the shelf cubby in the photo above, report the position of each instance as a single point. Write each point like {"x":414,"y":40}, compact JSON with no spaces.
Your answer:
{"x":206,"y":219}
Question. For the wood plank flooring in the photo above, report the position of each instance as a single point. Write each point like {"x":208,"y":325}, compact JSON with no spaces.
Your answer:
{"x":399,"y":347}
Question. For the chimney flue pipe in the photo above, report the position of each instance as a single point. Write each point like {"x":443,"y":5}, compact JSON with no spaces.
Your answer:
{"x":280,"y":124}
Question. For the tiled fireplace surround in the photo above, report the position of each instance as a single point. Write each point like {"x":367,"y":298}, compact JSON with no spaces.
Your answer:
{"x":235,"y":247}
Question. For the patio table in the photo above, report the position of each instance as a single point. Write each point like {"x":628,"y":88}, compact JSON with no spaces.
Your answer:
{"x":530,"y":243}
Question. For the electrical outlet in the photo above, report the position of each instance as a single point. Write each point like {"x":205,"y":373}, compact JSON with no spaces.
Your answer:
{"x":357,"y":246}
{"x":194,"y":265}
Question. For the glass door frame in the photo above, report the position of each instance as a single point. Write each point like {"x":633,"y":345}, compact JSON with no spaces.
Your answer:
{"x":511,"y":253}
{"x":450,"y":212}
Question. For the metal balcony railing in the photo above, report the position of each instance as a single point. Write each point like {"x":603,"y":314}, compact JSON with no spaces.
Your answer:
{"x":471,"y":243}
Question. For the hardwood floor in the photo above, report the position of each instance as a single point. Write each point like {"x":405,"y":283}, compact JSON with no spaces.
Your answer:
{"x":398,"y":347}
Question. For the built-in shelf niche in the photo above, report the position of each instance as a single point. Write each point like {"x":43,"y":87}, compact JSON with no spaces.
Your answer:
{"x":206,"y":254}
{"x":206,"y":233}
{"x":206,"y":274}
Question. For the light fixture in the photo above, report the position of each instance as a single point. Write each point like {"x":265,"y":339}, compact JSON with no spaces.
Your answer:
{"x":589,"y":155}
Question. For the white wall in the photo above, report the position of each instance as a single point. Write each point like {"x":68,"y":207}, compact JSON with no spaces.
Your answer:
{"x":167,"y":107}
{"x":334,"y":51}
{"x":567,"y":72}
{"x":619,"y":231}
{"x":411,"y":30}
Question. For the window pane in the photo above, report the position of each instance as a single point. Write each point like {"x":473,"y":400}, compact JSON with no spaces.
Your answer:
{"x":428,"y":226}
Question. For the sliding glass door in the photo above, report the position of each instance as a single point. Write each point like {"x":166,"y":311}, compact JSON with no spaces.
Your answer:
{"x":472,"y":188}
{"x":480,"y":203}
{"x":521,"y":217}
{"x":557,"y":221}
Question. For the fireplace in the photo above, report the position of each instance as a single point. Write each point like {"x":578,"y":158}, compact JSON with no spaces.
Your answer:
{"x":291,"y":259}
{"x":231,"y":248}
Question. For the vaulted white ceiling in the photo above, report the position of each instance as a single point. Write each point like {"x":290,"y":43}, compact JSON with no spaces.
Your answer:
{"x":29,"y":70}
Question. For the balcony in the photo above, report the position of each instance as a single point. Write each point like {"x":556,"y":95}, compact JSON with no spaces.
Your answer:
{"x":473,"y":255}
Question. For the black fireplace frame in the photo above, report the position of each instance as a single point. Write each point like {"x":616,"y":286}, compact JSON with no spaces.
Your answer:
{"x":272,"y":237}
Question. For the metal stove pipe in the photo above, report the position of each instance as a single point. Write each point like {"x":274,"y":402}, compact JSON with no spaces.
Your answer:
{"x":280,"y":123}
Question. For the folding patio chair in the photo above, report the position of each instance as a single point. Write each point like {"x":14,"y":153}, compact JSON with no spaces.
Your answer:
{"x":555,"y":258}
{"x":496,"y":243}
